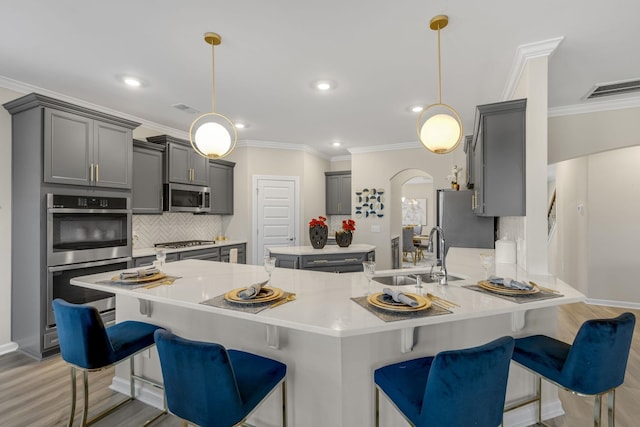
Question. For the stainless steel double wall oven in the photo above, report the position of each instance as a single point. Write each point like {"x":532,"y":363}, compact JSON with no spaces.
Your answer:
{"x":85,"y":235}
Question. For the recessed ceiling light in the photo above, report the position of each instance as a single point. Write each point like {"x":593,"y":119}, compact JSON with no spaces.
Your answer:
{"x":132,"y":81}
{"x":416,"y":108}
{"x":241,"y":125}
{"x":324,"y":85}
{"x":336,"y":144}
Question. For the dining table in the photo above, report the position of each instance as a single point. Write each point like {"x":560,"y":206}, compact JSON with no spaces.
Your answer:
{"x":332,"y":334}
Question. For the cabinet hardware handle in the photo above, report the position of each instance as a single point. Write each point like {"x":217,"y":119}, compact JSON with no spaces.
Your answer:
{"x":91,"y":172}
{"x":97,"y":172}
{"x":351,"y":259}
{"x":320,"y":261}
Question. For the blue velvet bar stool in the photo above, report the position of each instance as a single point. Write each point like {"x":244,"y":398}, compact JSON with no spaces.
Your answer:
{"x":593,"y":365}
{"x":457,"y":388}
{"x":211,"y":386}
{"x":87,"y":345}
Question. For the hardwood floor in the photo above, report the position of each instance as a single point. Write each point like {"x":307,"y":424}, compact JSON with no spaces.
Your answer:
{"x":37,"y":394}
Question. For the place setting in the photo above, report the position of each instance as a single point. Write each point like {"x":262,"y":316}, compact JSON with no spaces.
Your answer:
{"x":148,"y":277}
{"x":255,"y":297}
{"x":393,"y":304}
{"x":513,"y":290}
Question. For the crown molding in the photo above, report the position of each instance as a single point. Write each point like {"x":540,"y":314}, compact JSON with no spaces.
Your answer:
{"x":595,"y":107}
{"x":386,"y":147}
{"x":525,"y":53}
{"x":253,"y":143}
{"x":346,"y":157}
{"x":26,"y":88}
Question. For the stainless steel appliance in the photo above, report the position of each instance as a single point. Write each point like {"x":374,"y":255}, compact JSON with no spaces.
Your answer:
{"x":462,"y":228}
{"x":85,"y":235}
{"x":186,"y":198}
{"x":87,"y":228}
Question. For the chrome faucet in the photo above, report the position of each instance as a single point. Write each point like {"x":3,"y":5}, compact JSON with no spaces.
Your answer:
{"x":443,"y":266}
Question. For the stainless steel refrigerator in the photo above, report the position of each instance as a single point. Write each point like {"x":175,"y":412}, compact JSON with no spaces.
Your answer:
{"x":462,"y":228}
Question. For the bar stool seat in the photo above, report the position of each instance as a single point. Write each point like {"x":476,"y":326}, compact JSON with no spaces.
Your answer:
{"x":211,"y":386}
{"x":593,"y":365}
{"x":87,"y":345}
{"x":457,"y":388}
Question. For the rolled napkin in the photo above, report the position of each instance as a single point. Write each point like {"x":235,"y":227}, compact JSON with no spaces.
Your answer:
{"x":252,"y":291}
{"x":400,"y":297}
{"x":137,"y":273}
{"x":510,"y":283}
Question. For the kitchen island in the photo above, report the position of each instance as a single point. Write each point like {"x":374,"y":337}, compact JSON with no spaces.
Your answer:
{"x":331,"y":344}
{"x":331,"y":258}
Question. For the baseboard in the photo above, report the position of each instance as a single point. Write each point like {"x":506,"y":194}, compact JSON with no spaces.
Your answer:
{"x":8,"y":348}
{"x":145,"y":393}
{"x":526,"y":415}
{"x":612,"y":303}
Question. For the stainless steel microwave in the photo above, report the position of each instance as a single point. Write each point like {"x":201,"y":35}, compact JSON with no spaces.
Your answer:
{"x":186,"y":198}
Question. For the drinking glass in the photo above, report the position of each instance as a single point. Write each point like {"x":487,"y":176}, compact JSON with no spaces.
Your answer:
{"x":369,"y":269}
{"x":486,"y":259}
{"x":161,"y":255}
{"x":269,"y":266}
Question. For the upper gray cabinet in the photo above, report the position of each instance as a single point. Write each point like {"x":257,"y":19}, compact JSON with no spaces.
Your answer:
{"x":498,"y":166}
{"x":183,"y":164}
{"x":79,"y":146}
{"x":148,"y":163}
{"x":221,"y":184}
{"x":338,"y":193}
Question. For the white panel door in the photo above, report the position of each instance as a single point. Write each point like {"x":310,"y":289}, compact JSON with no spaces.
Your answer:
{"x":276,"y":214}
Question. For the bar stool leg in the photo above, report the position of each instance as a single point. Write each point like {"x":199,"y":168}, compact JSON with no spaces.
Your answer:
{"x":376,"y":415}
{"x":612,"y":408}
{"x":539,"y":397}
{"x":132,"y":385}
{"x":85,"y":387}
{"x":284,"y":403}
{"x":597,"y":411}
{"x":73,"y":396}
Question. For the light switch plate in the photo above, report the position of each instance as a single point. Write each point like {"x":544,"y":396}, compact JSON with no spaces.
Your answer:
{"x":375,"y":228}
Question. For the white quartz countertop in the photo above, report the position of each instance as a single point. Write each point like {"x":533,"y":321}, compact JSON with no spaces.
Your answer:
{"x":140,"y":252}
{"x":328,"y":249}
{"x":323,"y":303}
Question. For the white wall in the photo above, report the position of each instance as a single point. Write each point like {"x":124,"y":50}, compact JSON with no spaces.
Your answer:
{"x":5,"y":221}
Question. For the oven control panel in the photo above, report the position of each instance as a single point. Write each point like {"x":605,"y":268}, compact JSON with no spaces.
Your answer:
{"x":87,"y":202}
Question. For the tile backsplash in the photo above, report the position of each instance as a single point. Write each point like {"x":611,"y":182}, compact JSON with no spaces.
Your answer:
{"x":174,"y":227}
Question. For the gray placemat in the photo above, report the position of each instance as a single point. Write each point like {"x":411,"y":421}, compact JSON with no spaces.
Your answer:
{"x":220,"y":302}
{"x":129,"y":285}
{"x":392,"y":316}
{"x":518,"y":299}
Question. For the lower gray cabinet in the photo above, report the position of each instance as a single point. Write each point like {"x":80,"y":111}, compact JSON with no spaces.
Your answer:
{"x":209,"y":254}
{"x":148,"y":260}
{"x":148,"y":163}
{"x":218,"y":253}
{"x":226,"y":250}
{"x":332,"y":263}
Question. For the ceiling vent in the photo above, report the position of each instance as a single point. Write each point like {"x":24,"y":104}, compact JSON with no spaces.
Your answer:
{"x":185,"y":108}
{"x":614,"y":88}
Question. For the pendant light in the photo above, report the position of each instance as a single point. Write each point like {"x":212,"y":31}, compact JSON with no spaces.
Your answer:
{"x":213,"y":135}
{"x":439,"y":126}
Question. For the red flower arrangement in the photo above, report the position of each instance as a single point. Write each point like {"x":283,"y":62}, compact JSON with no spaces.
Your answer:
{"x":319,"y":222}
{"x":349,"y":225}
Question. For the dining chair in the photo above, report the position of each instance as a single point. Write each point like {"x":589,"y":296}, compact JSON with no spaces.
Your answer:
{"x":594,"y":365}
{"x":457,"y":388}
{"x":211,"y":386}
{"x":408,"y":247}
{"x":86,"y":344}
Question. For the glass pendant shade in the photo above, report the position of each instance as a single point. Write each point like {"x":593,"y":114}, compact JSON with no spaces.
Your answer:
{"x":439,"y":129}
{"x":213,"y":135}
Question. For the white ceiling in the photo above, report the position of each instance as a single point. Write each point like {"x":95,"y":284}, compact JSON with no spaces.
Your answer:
{"x":380,"y":53}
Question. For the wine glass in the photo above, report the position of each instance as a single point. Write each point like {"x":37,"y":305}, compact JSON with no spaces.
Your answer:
{"x":269,"y":266}
{"x":369,"y":269}
{"x":486,"y":259}
{"x":161,"y":255}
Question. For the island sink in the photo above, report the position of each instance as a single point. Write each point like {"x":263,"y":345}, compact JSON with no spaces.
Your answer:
{"x":410,"y":279}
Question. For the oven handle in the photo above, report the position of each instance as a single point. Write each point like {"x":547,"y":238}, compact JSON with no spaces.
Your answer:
{"x":89,"y":211}
{"x":89,"y":264}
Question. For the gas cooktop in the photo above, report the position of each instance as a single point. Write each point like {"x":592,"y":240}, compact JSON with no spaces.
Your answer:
{"x":184,"y":244}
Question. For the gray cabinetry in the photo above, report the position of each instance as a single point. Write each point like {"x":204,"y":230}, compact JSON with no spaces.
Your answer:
{"x":208,"y":254}
{"x":226,"y":250}
{"x":183,"y":165}
{"x":79,"y":150}
{"x":338,"y":193}
{"x":148,"y":260}
{"x":332,"y":263}
{"x":221,"y":184}
{"x":499,"y":180}
{"x":148,"y":162}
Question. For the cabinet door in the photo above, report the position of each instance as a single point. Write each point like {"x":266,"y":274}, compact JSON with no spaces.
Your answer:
{"x":478,"y":176}
{"x":212,"y":254}
{"x":179,"y":163}
{"x":147,"y":181}
{"x":68,"y":148}
{"x":112,"y":155}
{"x":221,"y":183}
{"x":199,"y":168}
{"x":345,"y":195}
{"x":333,"y":194}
